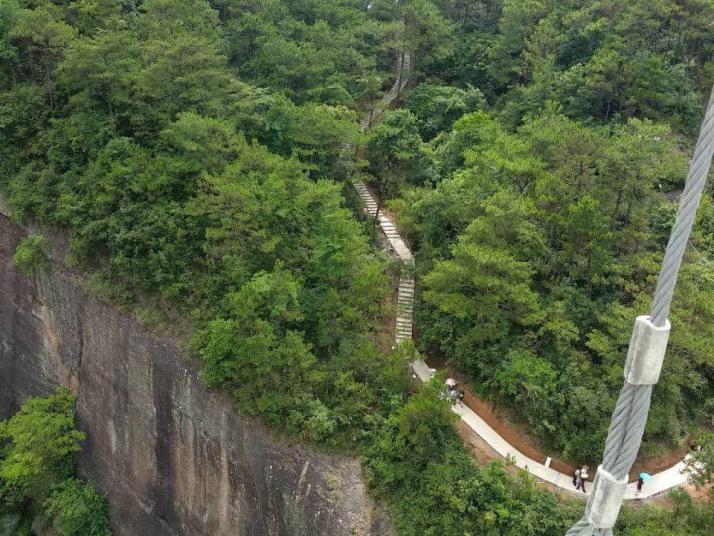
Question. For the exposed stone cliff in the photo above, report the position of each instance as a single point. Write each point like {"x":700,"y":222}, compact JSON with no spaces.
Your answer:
{"x":173,"y":458}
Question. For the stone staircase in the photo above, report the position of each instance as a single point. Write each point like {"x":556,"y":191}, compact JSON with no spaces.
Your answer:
{"x":405,"y":295}
{"x":405,"y":309}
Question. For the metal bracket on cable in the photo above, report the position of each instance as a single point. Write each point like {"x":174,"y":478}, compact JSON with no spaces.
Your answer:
{"x":647,"y":346}
{"x":646,"y":353}
{"x":605,"y":500}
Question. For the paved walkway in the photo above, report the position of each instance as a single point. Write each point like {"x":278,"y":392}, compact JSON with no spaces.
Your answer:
{"x":670,"y":478}
{"x":660,"y":482}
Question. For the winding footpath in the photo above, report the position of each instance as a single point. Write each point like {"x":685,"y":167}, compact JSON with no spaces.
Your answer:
{"x":660,"y":482}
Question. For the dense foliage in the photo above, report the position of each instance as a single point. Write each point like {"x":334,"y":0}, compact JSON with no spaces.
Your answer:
{"x":76,"y":509}
{"x":194,"y":150}
{"x":37,"y":447}
{"x":539,"y":224}
{"x":417,"y":461}
{"x":600,"y":59}
{"x":30,"y":256}
{"x":538,"y":249}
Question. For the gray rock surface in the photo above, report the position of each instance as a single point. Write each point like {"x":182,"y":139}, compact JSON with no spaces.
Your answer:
{"x":173,"y":458}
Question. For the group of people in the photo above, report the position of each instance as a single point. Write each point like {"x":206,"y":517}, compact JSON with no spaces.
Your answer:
{"x":581,"y":475}
{"x":454,"y":395}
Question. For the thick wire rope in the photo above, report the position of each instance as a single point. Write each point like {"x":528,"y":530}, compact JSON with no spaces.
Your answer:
{"x":630,"y":415}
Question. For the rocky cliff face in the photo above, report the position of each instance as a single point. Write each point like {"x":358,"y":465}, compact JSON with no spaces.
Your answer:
{"x":173,"y":458}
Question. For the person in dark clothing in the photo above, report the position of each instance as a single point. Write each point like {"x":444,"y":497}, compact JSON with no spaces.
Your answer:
{"x":640,"y":483}
{"x":581,"y":475}
{"x":581,"y":485}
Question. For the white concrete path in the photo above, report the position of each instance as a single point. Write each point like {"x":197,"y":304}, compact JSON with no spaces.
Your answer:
{"x":660,"y":482}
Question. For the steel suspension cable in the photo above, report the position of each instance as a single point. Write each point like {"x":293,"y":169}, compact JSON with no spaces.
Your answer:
{"x":630,"y":414}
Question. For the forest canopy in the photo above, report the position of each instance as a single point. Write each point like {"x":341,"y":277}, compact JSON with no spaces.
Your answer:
{"x":194,"y":149}
{"x":199,"y":154}
{"x":539,"y":205}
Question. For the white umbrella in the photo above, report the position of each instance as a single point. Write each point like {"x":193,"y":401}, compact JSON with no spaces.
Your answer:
{"x":451,"y":382}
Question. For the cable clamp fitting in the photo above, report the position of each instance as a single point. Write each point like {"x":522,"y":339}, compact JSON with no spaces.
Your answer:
{"x":605,"y":500}
{"x":646,"y":353}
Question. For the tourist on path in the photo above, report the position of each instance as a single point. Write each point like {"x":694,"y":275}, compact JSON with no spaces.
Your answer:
{"x":580,"y":476}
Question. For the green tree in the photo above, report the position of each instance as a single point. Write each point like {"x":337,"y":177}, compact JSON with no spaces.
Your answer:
{"x":397,"y":154}
{"x":587,"y":243}
{"x":37,"y":447}
{"x":76,"y":509}
{"x":314,"y":133}
{"x":485,"y":285}
{"x":8,"y":53}
{"x":528,"y":381}
{"x":436,"y":108}
{"x":40,"y":35}
{"x":412,"y":438}
{"x":31,"y":256}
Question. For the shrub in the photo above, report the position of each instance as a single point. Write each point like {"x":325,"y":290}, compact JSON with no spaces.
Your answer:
{"x":76,"y":509}
{"x":37,"y":447}
{"x":30,"y":257}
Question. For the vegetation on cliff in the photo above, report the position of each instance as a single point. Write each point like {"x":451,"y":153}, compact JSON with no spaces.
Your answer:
{"x":37,"y":471}
{"x":30,"y":256}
